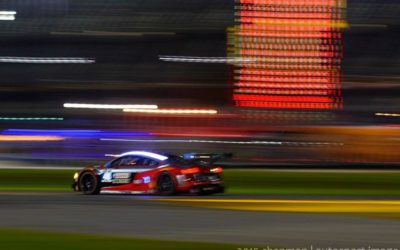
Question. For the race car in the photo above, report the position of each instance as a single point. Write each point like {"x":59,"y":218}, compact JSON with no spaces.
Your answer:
{"x":142,"y":172}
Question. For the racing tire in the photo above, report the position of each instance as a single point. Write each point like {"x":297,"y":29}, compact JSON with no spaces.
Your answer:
{"x":165,"y":184}
{"x":89,"y":183}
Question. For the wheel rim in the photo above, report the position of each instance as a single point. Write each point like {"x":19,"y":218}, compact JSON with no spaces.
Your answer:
{"x":87,"y":183}
{"x":165,"y":183}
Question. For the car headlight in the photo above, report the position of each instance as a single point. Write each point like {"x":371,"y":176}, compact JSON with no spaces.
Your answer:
{"x":76,"y":175}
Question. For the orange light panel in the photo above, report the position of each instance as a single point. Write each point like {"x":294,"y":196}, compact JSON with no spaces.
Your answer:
{"x":296,"y":50}
{"x":190,"y":170}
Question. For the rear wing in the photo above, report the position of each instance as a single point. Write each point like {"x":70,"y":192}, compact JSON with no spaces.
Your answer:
{"x":204,"y":158}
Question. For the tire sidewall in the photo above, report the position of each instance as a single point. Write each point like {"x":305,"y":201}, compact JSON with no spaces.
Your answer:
{"x":95,"y":189}
{"x":169,"y":192}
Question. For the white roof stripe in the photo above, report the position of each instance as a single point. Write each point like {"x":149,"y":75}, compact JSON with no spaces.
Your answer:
{"x":147,"y":154}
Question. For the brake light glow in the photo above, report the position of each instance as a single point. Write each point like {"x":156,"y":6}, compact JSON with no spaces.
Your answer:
{"x":216,"y":170}
{"x":190,"y":170}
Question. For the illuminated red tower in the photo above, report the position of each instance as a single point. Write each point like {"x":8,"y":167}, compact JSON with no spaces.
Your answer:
{"x":293,"y":52}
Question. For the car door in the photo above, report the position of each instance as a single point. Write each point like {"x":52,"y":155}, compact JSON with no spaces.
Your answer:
{"x":124,"y":169}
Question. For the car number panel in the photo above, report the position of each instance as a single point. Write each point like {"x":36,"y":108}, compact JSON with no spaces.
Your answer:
{"x":122,"y":178}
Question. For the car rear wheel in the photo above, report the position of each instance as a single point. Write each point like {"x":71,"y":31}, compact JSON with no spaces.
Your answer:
{"x":165,"y":184}
{"x":89,"y":183}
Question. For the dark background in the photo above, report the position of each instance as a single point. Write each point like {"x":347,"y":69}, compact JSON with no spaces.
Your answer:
{"x":126,"y":38}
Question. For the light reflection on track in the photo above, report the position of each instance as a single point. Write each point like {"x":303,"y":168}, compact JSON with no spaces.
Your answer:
{"x":282,"y":205}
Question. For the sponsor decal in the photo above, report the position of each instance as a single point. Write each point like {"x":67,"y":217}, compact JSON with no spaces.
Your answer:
{"x":121,"y":181}
{"x":122,"y":175}
{"x":146,"y":179}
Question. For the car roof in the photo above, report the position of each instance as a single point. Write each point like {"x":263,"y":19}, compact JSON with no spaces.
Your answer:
{"x":152,"y":155}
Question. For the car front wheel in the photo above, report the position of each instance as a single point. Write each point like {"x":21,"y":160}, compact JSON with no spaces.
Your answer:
{"x":89,"y":183}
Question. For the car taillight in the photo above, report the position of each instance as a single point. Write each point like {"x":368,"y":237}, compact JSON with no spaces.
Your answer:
{"x":190,"y":170}
{"x":216,"y":170}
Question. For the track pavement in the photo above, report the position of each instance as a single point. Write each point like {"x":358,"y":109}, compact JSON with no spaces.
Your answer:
{"x":151,"y":217}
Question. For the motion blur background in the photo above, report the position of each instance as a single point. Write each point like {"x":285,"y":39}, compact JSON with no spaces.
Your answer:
{"x":113,"y":52}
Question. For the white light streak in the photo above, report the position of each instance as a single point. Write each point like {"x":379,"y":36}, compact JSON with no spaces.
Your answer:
{"x":230,"y":142}
{"x":52,"y":60}
{"x":7,"y":15}
{"x":8,"y":12}
{"x":110,"y":106}
{"x":194,"y":59}
{"x":174,"y":111}
{"x":111,"y":155}
{"x":387,"y":114}
{"x":196,"y":141}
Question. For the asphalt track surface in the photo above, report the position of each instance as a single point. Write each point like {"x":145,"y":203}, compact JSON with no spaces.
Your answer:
{"x":143,"y":216}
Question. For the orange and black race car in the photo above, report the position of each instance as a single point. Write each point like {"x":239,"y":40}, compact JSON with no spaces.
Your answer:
{"x":142,"y":172}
